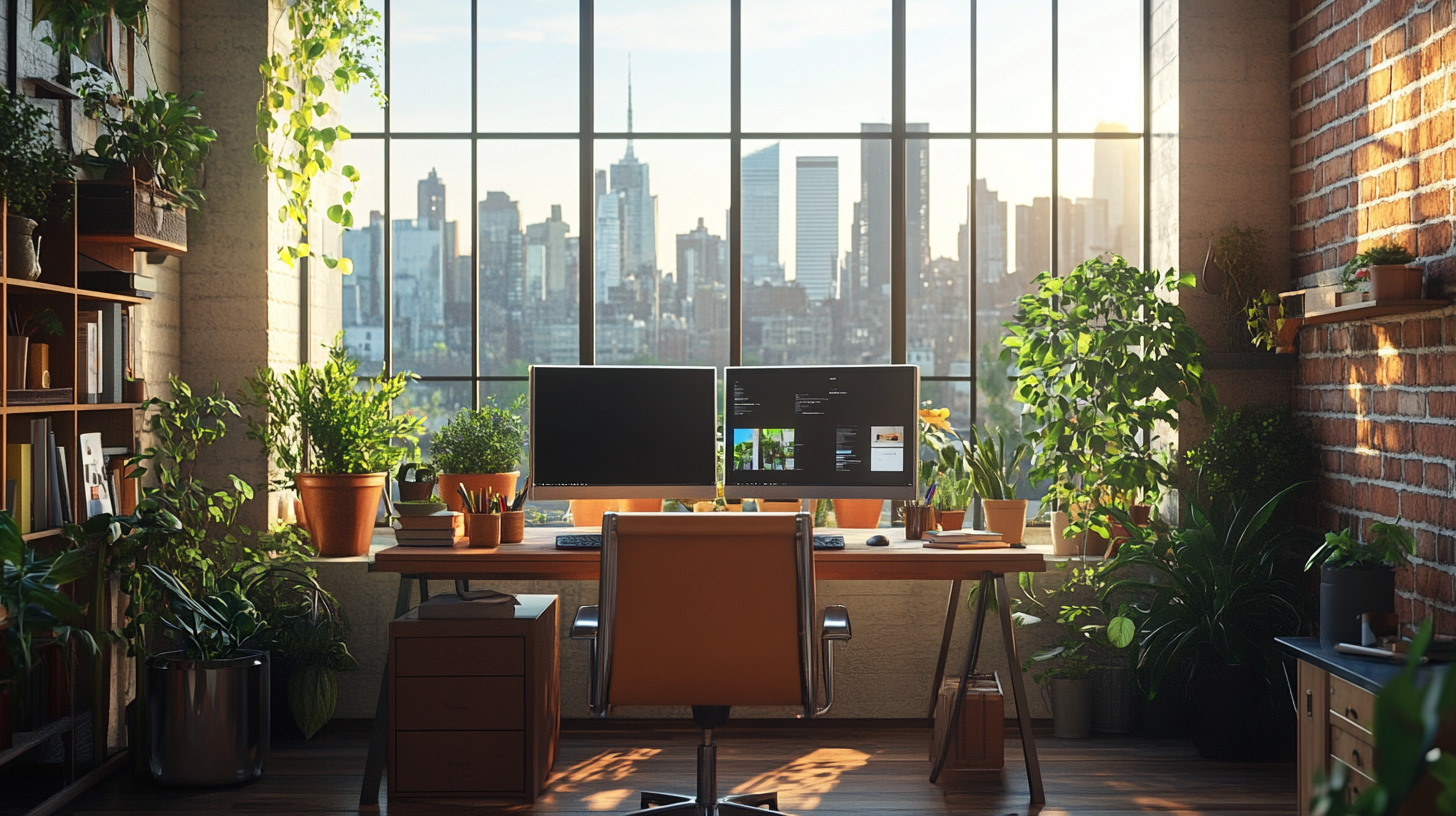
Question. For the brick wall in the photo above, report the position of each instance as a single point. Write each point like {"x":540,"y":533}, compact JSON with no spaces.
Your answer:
{"x":1373,"y":157}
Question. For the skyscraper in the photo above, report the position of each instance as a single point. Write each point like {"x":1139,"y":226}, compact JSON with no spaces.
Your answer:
{"x":871,"y":264}
{"x":991,"y":230}
{"x":608,"y":243}
{"x":761,"y":217}
{"x":816,"y":225}
{"x":1116,"y":179}
{"x":431,"y":203}
{"x":546,"y":248}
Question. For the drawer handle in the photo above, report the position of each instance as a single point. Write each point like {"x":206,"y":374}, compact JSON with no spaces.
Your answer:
{"x":1352,"y":714}
{"x":1355,"y":755}
{"x":1309,"y":703}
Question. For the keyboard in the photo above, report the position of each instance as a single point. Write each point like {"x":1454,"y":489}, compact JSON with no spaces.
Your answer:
{"x":828,"y":542}
{"x":593,"y":541}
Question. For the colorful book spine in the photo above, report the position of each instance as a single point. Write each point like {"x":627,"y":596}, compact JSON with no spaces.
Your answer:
{"x":17,"y":464}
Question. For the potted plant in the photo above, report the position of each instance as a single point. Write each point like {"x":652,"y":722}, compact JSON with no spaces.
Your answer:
{"x":30,"y":362}
{"x":479,"y":450}
{"x":1104,"y":358}
{"x":1268,"y":327}
{"x":1065,"y":669}
{"x":421,"y":487}
{"x":31,"y":165}
{"x":1240,"y":254}
{"x":952,"y":497}
{"x":1209,"y":595}
{"x":994,"y":475}
{"x":1384,"y":271}
{"x":208,"y":702}
{"x":1356,"y":579}
{"x":332,"y":435}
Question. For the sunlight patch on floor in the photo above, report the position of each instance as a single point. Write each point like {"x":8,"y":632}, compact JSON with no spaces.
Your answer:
{"x":809,"y":776}
{"x":608,"y":766}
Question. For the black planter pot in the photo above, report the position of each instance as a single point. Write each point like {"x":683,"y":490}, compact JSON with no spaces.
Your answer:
{"x":1234,"y":719}
{"x":207,"y":721}
{"x":1348,"y":593}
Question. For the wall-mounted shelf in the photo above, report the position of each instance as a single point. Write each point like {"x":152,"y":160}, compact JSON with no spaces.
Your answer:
{"x":1372,"y":308}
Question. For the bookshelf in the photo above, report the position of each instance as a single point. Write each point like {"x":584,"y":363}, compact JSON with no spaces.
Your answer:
{"x":86,"y":759}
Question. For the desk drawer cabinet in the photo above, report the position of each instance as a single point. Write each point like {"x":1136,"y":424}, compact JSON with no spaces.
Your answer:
{"x":474,"y":705}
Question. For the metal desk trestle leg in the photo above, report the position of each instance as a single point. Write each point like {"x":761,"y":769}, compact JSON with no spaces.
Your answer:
{"x":1018,"y":688}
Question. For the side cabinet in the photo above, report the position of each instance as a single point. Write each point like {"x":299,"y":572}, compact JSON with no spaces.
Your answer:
{"x":1314,"y":721}
{"x":474,"y":705}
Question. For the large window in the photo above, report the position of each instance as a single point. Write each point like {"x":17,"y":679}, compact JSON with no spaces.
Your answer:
{"x":747,"y":181}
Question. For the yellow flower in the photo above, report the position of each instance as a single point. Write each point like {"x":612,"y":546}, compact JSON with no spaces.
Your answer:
{"x":936,"y":417}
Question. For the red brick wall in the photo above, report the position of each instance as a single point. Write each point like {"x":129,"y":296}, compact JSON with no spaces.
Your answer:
{"x":1374,"y":158}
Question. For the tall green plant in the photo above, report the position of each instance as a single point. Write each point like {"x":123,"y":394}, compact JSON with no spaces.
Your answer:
{"x":327,"y":419}
{"x":331,"y":45}
{"x":993,"y":470}
{"x":38,"y":609}
{"x":484,"y":440}
{"x":32,"y":162}
{"x":1103,"y":358}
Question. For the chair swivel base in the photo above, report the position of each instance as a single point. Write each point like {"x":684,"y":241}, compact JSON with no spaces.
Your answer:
{"x":661,"y":804}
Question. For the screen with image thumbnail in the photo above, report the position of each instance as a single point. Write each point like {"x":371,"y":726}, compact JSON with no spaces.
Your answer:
{"x":623,"y":432}
{"x":820,"y":432}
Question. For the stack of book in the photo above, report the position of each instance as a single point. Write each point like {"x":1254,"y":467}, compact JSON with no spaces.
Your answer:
{"x":963,"y":540}
{"x":443,"y":529}
{"x":39,"y":492}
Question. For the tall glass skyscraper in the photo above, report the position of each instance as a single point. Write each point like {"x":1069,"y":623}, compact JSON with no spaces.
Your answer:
{"x":761,"y":217}
{"x":816,"y":228}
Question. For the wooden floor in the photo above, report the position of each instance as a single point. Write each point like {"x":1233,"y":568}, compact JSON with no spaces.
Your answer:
{"x":880,"y":770}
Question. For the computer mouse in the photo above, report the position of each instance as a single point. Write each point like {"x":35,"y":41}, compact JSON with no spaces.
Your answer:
{"x":878,"y":541}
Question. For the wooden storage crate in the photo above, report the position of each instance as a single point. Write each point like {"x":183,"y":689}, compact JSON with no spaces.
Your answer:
{"x":980,"y":740}
{"x":130,"y":213}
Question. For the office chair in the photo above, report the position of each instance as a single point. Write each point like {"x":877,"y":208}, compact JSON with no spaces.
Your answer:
{"x":708,"y":610}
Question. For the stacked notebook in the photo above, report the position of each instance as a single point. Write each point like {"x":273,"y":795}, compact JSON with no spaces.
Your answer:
{"x":443,"y":529}
{"x":964,"y":540}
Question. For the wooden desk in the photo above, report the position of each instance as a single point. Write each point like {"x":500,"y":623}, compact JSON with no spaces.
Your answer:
{"x":536,"y":558}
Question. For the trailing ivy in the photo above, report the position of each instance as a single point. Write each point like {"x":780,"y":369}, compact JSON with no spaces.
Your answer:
{"x":331,"y":45}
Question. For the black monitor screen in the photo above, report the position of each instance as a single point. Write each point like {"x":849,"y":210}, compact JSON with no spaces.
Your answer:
{"x":823,"y":432}
{"x":623,"y":432}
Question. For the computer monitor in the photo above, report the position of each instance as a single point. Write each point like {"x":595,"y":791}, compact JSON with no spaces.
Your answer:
{"x":822,"y":432}
{"x":623,"y":432}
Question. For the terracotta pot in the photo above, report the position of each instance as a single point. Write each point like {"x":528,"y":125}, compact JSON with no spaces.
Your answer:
{"x":1007,"y":517}
{"x":484,"y":530}
{"x":513,"y":526}
{"x":640,"y":505}
{"x":339,"y":510}
{"x":503,"y":484}
{"x":134,"y":391}
{"x":588,"y":512}
{"x":1141,"y":514}
{"x":1114,"y":542}
{"x":778,"y":506}
{"x":418,"y":491}
{"x":859,"y":514}
{"x":1096,"y":545}
{"x":705,"y":506}
{"x":1062,"y":543}
{"x":1287,"y":341}
{"x":38,"y":366}
{"x":17,"y":354}
{"x":952,"y":519}
{"x":1396,"y":282}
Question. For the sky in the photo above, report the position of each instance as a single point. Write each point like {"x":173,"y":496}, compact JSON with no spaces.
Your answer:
{"x":808,"y":65}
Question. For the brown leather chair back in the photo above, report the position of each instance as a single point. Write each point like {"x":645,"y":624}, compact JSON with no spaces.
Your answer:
{"x":707,"y":609}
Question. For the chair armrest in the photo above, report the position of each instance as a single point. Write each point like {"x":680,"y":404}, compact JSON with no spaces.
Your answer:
{"x":584,"y":627}
{"x":836,"y":627}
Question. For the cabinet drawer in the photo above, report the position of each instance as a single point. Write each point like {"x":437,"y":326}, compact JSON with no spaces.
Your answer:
{"x":459,"y":704}
{"x":1358,"y":783}
{"x":459,"y":656}
{"x":1352,"y":702}
{"x":1352,"y":750}
{"x":459,"y":762}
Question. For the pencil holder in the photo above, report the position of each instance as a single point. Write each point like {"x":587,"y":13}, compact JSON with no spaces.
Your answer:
{"x":484,"y":530}
{"x":513,"y":526}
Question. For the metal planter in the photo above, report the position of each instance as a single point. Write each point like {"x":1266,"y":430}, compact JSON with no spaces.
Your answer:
{"x":208,"y":719}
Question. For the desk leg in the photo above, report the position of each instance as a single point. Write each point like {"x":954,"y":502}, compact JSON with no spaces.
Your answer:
{"x":379,"y":740}
{"x":973,"y":651}
{"x":952,"y":606}
{"x":1018,"y":690}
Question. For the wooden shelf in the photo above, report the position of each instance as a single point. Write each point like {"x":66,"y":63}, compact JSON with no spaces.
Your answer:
{"x":91,"y":294}
{"x":39,"y":534}
{"x":1372,"y":308}
{"x":26,"y":740}
{"x":84,"y":294}
{"x":70,"y":406}
{"x":21,"y":283}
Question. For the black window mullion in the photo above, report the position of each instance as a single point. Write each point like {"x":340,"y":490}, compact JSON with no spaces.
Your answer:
{"x":735,"y":190}
{"x":973,"y":270}
{"x":387,"y":261}
{"x":586,"y":250}
{"x":1056,"y":202}
{"x":475,"y":203}
{"x":898,"y":186}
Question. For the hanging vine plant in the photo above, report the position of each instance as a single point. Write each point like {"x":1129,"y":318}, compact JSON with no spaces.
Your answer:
{"x":331,"y":46}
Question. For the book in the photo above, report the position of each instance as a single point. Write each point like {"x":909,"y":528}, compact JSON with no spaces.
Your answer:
{"x":65,"y":482}
{"x":88,"y":359}
{"x":94,"y":476}
{"x":962,"y":535}
{"x":965,"y":545}
{"x":450,"y":605}
{"x":17,"y":463}
{"x":426,"y":535}
{"x":110,"y":353}
{"x":39,"y":477}
{"x":57,"y":514}
{"x":443,"y":520}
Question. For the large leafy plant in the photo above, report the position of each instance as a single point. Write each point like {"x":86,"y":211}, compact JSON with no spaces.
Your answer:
{"x":1250,"y":455}
{"x":218,"y":624}
{"x":1391,"y":545}
{"x":1209,"y":590}
{"x":331,"y":47}
{"x":38,"y":610}
{"x":994,"y":471}
{"x":327,"y":419}
{"x":158,"y":135}
{"x":32,"y":162}
{"x":1103,"y":358}
{"x":484,"y":440}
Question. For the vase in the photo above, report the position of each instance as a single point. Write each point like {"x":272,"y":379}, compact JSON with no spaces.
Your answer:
{"x":859,"y":514}
{"x":38,"y":366}
{"x":339,"y":510}
{"x":17,"y":354}
{"x":208,"y":720}
{"x":513,"y":526}
{"x":1062,"y":543}
{"x":501,"y":484}
{"x":952,"y":519}
{"x":1071,"y":707}
{"x":1007,"y":517}
{"x":23,"y":258}
{"x":416,"y":491}
{"x":1396,"y":282}
{"x":134,"y":391}
{"x":1346,"y":594}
